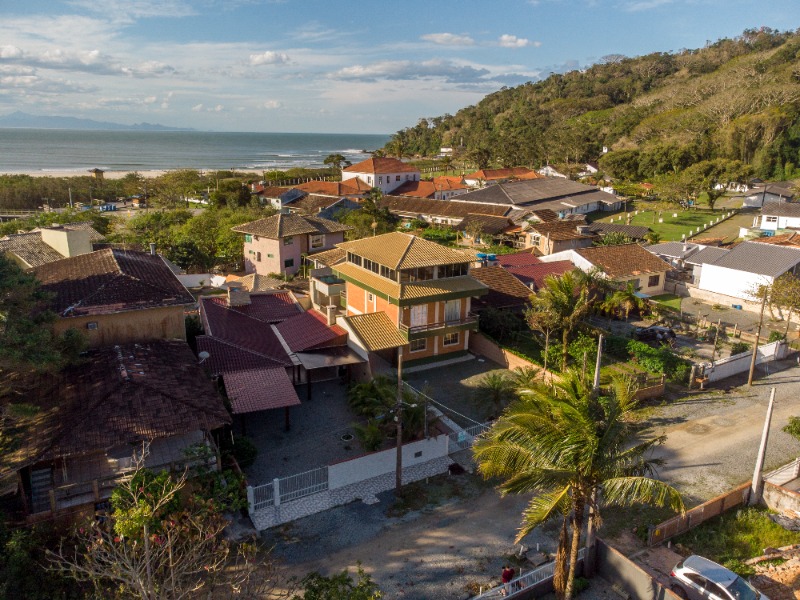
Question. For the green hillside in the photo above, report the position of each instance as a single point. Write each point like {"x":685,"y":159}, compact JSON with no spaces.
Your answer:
{"x":737,"y":100}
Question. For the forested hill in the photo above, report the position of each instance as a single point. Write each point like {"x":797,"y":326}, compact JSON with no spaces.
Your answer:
{"x":736,"y":99}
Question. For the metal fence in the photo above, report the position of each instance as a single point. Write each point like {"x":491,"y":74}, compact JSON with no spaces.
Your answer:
{"x":303,"y":484}
{"x":262,"y":496}
{"x":461,"y":440}
{"x":524,"y":581}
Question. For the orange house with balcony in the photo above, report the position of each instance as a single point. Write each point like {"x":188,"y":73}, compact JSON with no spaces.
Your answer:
{"x":404,"y":294}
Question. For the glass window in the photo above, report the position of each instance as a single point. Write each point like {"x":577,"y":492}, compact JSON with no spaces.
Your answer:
{"x":288,"y":241}
{"x":317,"y":241}
{"x":452,"y":310}
{"x":380,"y":179}
{"x":418,"y":345}
{"x":419,"y":315}
{"x":258,"y":256}
{"x":397,"y":178}
{"x":653,"y":280}
{"x":450,"y":339}
{"x":769,"y":220}
{"x":354,"y":258}
{"x":270,"y":256}
{"x":248,"y":237}
{"x":288,"y":263}
{"x":370,"y":297}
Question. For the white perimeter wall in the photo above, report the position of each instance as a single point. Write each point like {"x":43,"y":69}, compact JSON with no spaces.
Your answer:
{"x":730,"y":282}
{"x":739,"y":363}
{"x":380,"y":463}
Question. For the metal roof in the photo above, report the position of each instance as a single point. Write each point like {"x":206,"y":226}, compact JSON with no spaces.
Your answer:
{"x":761,"y":259}
{"x":707,"y":255}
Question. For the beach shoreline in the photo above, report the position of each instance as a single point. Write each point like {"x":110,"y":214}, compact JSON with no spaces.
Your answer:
{"x":114,"y":175}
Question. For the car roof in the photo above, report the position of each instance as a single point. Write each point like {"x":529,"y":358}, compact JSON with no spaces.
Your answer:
{"x":710,"y":570}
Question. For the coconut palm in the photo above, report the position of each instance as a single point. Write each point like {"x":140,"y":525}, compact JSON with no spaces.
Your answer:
{"x":625,"y":298}
{"x":524,"y":378}
{"x":575,"y":449}
{"x":496,"y":390}
{"x":566,"y":300}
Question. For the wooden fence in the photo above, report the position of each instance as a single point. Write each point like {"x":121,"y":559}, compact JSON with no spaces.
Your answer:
{"x":698,"y":514}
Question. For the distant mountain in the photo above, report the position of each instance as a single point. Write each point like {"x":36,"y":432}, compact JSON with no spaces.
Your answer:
{"x":20,"y":119}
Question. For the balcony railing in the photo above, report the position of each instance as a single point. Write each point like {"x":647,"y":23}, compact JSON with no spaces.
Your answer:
{"x":436,"y":328}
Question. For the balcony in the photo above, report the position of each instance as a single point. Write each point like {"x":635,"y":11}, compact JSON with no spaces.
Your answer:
{"x":415,"y":332}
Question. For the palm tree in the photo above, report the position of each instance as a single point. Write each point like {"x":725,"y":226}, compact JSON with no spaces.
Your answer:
{"x":625,"y":298}
{"x":496,"y":389}
{"x":524,"y":378}
{"x":567,"y":301}
{"x":567,"y":443}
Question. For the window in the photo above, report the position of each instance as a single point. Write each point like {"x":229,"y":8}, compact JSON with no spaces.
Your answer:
{"x":419,"y":315}
{"x":380,"y":179}
{"x":453,"y":270}
{"x":450,"y":339}
{"x":92,"y":325}
{"x":288,"y":263}
{"x":653,"y":280}
{"x":535,"y":239}
{"x":369,"y":180}
{"x":354,"y":258}
{"x":418,"y":345}
{"x":408,"y":177}
{"x":248,"y":237}
{"x":370,"y":297}
{"x":258,"y":256}
{"x":288,"y":241}
{"x":270,"y":256}
{"x":771,"y":219}
{"x":317,"y":241}
{"x":452,"y":310}
{"x":397,"y":178}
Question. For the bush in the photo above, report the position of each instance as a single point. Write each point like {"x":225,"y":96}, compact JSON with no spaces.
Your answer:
{"x":580,"y":584}
{"x":370,"y":435}
{"x":793,"y":427}
{"x":500,"y":324}
{"x":739,"y":567}
{"x":244,"y":451}
{"x":419,"y":224}
{"x":584,"y":345}
{"x":775,"y":336}
{"x":438,"y":235}
{"x":616,"y":346}
{"x":739,"y":348}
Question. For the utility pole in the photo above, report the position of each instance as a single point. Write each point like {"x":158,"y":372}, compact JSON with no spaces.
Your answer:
{"x":596,"y":385}
{"x":757,"y":484}
{"x":758,"y":337}
{"x":398,"y":416}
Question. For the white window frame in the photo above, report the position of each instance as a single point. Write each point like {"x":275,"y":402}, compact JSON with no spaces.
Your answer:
{"x":771,"y":219}
{"x":447,"y":335}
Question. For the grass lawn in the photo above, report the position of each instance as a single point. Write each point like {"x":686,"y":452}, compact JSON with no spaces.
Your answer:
{"x":669,"y":300}
{"x":736,"y":536}
{"x":673,"y":228}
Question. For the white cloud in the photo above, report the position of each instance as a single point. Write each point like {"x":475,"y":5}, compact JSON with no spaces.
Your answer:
{"x":137,"y":9}
{"x":645,"y":5}
{"x":406,"y":70}
{"x":272,"y":104}
{"x":218,"y":108}
{"x":512,"y":41}
{"x":448,"y":39}
{"x":10,"y":52}
{"x":269,"y":58}
{"x":150,"y":100}
{"x":197,"y":108}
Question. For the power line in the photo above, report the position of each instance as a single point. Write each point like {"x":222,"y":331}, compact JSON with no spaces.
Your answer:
{"x":452,"y":410}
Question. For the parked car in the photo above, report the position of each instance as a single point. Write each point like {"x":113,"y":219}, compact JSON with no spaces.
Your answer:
{"x":697,"y":578}
{"x":654,"y":333}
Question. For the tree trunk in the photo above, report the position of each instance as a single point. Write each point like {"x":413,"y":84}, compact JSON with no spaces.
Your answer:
{"x":560,"y":572}
{"x":577,"y":525}
{"x":788,"y":323}
{"x":564,"y":344}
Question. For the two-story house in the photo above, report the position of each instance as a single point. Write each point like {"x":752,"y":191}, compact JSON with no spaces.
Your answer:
{"x":278,"y":243}
{"x":387,"y":174}
{"x":406,"y":294}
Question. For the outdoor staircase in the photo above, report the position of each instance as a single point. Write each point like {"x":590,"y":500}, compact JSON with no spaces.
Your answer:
{"x":41,"y":484}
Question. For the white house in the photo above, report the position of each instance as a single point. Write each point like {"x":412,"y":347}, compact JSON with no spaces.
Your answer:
{"x":549,"y":171}
{"x":781,"y":191}
{"x":740,"y":271}
{"x":387,"y":174}
{"x":780,"y":215}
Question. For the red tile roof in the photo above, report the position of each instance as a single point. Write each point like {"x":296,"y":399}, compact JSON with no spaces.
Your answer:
{"x":110,"y":280}
{"x":269,"y":308}
{"x":381,"y":165}
{"x":624,"y":260}
{"x":335,"y":188}
{"x":310,"y":330}
{"x":416,"y":189}
{"x":518,"y":259}
{"x":514,"y":172}
{"x":536,"y":273}
{"x":450,"y":183}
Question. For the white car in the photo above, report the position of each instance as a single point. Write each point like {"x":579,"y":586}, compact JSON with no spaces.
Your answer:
{"x":697,"y":578}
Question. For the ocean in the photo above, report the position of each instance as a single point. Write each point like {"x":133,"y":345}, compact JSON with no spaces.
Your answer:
{"x":42,"y":150}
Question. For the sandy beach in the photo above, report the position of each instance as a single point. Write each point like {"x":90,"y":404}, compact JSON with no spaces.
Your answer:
{"x":147,"y":174}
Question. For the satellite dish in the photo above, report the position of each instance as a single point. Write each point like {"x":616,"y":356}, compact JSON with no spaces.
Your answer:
{"x":203,"y":356}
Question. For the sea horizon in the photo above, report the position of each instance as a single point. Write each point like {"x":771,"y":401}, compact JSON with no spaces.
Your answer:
{"x":35,"y":150}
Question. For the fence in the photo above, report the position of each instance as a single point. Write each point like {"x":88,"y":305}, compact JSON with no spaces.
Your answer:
{"x":739,"y":363}
{"x":520,"y":586}
{"x":461,"y":440}
{"x":784,"y":474}
{"x":698,"y":514}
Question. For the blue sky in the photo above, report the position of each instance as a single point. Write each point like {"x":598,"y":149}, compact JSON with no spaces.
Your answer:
{"x":350,"y":66}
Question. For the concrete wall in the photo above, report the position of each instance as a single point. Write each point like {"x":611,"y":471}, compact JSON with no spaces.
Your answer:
{"x":387,"y":182}
{"x":780,"y":499}
{"x":481,"y":345}
{"x":165,"y":323}
{"x":68,"y":242}
{"x":379,"y":463}
{"x":626,"y":575}
{"x":731,"y":282}
{"x":195,"y":280}
{"x":740,"y":363}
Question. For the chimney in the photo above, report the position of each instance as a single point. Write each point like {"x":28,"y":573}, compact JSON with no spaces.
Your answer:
{"x":330,"y":312}
{"x":238,"y":297}
{"x":153,"y":248}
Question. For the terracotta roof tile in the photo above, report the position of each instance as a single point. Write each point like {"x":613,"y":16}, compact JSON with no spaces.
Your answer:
{"x":416,"y":189}
{"x":254,"y":282}
{"x":268,"y":308}
{"x":511,"y":173}
{"x":110,"y":281}
{"x":29,"y":248}
{"x":310,"y":330}
{"x":329,"y":257}
{"x":282,"y":225}
{"x":380,"y":284}
{"x":518,"y":259}
{"x":407,"y":206}
{"x":351,"y":187}
{"x":487,"y":223}
{"x":376,"y":330}
{"x":536,"y":273}
{"x":381,"y":165}
{"x":398,"y":250}
{"x":505,"y":290}
{"x":559,"y":230}
{"x":624,"y":260}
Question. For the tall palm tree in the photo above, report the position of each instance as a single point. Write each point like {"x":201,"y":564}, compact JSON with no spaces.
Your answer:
{"x":575,"y":449}
{"x":497,"y":390}
{"x":566,"y":299}
{"x":625,"y":298}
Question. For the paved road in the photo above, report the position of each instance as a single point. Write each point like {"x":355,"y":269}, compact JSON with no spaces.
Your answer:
{"x":713,"y":438}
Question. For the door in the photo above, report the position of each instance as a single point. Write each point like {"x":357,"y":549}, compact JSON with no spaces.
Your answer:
{"x":419,"y":315}
{"x":452,"y":310}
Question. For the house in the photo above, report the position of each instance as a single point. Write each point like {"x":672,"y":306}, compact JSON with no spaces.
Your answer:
{"x":790,"y":238}
{"x":675,"y":253}
{"x":766,"y":193}
{"x":48,"y":244}
{"x":636,"y":233}
{"x":736,"y":274}
{"x":116,"y":297}
{"x":506,"y":292}
{"x":703,"y":256}
{"x":556,"y":236}
{"x":562,"y":196}
{"x":277,"y":197}
{"x":404,"y":295}
{"x":489,"y":176}
{"x":549,"y":171}
{"x":75,"y":440}
{"x":353,"y":187}
{"x":780,"y":215}
{"x":386,"y":174}
{"x":479,"y":230}
{"x":437,"y":212}
{"x":622,"y":264}
{"x":440,"y":188}
{"x":278,"y":243}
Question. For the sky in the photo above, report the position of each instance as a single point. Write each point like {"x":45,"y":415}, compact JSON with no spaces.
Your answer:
{"x":350,"y":66}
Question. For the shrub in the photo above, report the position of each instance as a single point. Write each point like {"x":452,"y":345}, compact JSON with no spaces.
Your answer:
{"x":438,"y":235}
{"x":775,"y":336}
{"x":370,"y":435}
{"x":419,"y":224}
{"x":739,"y":348}
{"x":739,"y":567}
{"x":616,"y":346}
{"x":793,"y":427}
{"x":244,"y":451}
{"x":580,"y":584}
{"x":587,"y":345}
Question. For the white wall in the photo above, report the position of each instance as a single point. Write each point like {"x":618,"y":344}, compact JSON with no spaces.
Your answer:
{"x":780,"y":223}
{"x":387,"y":182}
{"x":740,"y":363}
{"x":195,"y":280}
{"x":730,"y":282}
{"x":570,"y":255}
{"x":379,"y":463}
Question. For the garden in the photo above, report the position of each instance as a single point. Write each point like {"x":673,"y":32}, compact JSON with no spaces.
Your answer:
{"x":671,"y":224}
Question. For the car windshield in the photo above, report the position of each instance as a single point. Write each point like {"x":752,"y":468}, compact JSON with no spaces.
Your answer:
{"x":741,"y":590}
